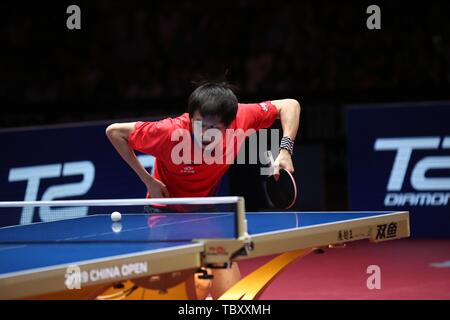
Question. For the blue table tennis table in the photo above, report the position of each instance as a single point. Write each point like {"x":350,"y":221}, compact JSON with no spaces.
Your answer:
{"x":100,"y":252}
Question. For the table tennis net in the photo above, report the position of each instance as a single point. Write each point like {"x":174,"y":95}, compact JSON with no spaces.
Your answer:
{"x":142,"y":220}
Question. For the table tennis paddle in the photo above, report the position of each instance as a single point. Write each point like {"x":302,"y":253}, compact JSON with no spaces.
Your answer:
{"x":282,"y":193}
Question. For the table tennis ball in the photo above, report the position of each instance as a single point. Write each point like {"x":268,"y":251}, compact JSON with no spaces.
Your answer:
{"x":116,"y":216}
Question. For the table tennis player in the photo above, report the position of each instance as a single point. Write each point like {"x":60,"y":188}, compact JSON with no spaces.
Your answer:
{"x":212,"y":106}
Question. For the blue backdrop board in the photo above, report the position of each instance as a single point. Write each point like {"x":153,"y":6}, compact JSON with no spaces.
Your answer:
{"x":399,"y":159}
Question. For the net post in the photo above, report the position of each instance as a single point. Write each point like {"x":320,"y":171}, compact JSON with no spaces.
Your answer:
{"x":241,"y":221}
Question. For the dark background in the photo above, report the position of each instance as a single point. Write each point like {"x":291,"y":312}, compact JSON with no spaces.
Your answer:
{"x":137,"y":59}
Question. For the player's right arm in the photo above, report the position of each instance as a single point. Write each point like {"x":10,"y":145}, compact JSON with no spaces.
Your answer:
{"x":118,"y":134}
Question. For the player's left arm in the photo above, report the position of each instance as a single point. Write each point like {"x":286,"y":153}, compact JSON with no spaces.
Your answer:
{"x":289,"y":115}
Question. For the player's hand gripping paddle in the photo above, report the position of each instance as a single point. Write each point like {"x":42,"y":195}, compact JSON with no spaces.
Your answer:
{"x":282,"y":192}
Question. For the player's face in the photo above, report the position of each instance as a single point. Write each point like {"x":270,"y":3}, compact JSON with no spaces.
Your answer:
{"x":210,"y":126}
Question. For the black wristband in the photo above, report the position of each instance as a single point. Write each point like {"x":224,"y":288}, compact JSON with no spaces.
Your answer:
{"x":288,"y":144}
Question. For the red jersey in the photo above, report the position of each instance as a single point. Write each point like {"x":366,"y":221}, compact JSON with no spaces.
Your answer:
{"x":193,"y":179}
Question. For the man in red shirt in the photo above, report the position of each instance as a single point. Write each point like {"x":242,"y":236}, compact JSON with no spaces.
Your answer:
{"x":191,"y":159}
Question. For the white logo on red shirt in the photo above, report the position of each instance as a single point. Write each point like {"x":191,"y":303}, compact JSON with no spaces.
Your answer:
{"x":188,"y":170}
{"x":263,"y":106}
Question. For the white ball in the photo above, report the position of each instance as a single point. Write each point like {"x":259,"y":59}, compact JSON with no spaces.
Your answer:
{"x":116,"y":216}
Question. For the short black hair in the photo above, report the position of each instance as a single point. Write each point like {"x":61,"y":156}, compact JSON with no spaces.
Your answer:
{"x":215,"y":99}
